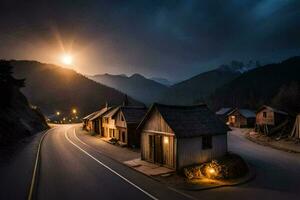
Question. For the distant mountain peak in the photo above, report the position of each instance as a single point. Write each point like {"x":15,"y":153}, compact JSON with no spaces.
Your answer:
{"x":163,"y":81}
{"x":136,"y":75}
{"x":239,"y":67}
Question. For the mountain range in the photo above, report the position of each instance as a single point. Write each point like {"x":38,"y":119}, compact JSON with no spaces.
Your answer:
{"x":136,"y":86}
{"x":53,"y":88}
{"x":235,"y":85}
{"x":275,"y":84}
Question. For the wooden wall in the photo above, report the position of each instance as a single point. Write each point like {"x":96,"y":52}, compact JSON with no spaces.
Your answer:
{"x":240,"y":121}
{"x":268,"y":120}
{"x":168,"y":149}
{"x":189,"y":150}
{"x":156,"y":126}
{"x":118,"y":118}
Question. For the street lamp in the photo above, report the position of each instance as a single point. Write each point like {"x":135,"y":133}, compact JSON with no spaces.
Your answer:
{"x":74,"y":111}
{"x":57,"y":113}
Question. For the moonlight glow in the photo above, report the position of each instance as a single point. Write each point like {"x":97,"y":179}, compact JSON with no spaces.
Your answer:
{"x":67,"y":59}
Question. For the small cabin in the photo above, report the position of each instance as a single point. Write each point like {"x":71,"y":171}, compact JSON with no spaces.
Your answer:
{"x":127,"y":118}
{"x":96,"y":120}
{"x":241,"y":118}
{"x":179,"y":136}
{"x":223,"y":114}
{"x":267,"y":115}
{"x":87,"y":124}
{"x":267,"y":118}
{"x":109,"y":129}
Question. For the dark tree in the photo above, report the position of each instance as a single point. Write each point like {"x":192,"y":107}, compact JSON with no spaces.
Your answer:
{"x":8,"y":83}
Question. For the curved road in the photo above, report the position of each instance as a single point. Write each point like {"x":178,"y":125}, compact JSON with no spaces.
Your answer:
{"x":72,"y":170}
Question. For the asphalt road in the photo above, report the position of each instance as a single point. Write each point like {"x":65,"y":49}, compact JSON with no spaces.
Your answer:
{"x":277,"y":173}
{"x":71,"y":170}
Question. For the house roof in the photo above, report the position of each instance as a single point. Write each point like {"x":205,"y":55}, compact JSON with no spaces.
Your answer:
{"x":112,"y":112}
{"x":100,"y":113}
{"x":244,"y":112}
{"x":89,"y":116}
{"x":133,"y":114}
{"x":271,"y":109}
{"x":189,"y":121}
{"x":223,"y":111}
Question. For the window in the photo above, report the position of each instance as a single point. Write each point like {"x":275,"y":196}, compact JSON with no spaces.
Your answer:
{"x":122,"y":118}
{"x":207,"y":142}
{"x":265,"y":114}
{"x":232,"y":118}
{"x":123,"y":136}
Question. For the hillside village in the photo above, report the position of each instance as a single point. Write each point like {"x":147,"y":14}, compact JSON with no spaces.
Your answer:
{"x":177,"y":137}
{"x":150,"y":100}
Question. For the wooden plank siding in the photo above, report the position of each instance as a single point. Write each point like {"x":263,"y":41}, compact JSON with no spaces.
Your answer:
{"x":156,"y":126}
{"x":268,"y":120}
{"x":190,"y":151}
{"x":235,"y":119}
{"x":168,"y":149}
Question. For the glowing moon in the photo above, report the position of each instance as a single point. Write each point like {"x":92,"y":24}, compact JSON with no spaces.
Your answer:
{"x":67,"y":59}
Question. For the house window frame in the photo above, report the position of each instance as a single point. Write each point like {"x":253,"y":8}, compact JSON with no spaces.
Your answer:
{"x":207,"y":142}
{"x":264,"y":114}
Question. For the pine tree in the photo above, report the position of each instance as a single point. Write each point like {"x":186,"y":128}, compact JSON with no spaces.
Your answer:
{"x":8,"y":83}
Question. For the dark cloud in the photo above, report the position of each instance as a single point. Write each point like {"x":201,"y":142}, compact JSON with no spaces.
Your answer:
{"x":175,"y":39}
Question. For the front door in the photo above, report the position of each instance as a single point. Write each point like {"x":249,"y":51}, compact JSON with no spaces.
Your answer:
{"x":158,"y":147}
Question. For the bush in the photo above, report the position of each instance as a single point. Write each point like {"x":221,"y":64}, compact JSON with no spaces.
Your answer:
{"x":229,"y":166}
{"x":114,"y":140}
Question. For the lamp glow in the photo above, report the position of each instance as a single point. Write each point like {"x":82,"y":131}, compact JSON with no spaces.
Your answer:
{"x":166,"y":140}
{"x":67,"y":59}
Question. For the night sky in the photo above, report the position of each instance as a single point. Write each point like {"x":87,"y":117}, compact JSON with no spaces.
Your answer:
{"x":172,"y":39}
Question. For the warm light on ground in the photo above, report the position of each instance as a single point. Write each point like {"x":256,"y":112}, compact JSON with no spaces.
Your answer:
{"x":67,"y":59}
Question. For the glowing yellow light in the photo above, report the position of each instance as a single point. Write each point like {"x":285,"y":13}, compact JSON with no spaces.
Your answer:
{"x":211,"y":170}
{"x":166,"y":140}
{"x":67,"y":59}
{"x":57,"y":113}
{"x":74,"y":111}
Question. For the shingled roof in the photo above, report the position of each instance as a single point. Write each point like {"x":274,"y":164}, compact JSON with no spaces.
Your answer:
{"x":244,"y":112}
{"x":133,"y":114}
{"x":224,"y":111}
{"x":112,"y":112}
{"x":100,"y":112}
{"x":271,"y":109}
{"x":89,"y":116}
{"x":189,"y":121}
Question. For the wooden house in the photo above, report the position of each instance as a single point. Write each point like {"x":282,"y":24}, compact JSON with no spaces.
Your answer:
{"x":296,"y":129}
{"x":223,"y":114}
{"x":108,"y":124}
{"x":267,"y":118}
{"x":127,"y":118}
{"x":87,"y":124}
{"x":179,"y":136}
{"x":267,"y":115}
{"x":96,"y":120}
{"x":241,"y":118}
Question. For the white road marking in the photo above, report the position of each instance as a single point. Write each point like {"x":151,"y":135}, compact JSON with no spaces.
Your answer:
{"x":110,"y":169}
{"x":173,"y":189}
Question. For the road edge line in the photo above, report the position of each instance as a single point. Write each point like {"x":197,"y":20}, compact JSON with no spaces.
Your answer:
{"x":110,"y":169}
{"x":37,"y":159}
{"x":147,"y":176}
